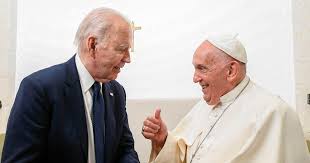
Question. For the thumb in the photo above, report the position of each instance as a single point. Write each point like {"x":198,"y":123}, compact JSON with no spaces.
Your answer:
{"x":157,"y":114}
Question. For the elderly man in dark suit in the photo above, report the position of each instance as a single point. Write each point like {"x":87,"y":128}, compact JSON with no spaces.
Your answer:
{"x":75,"y":112}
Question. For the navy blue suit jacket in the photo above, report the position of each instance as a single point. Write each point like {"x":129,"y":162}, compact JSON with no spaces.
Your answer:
{"x":47,"y":123}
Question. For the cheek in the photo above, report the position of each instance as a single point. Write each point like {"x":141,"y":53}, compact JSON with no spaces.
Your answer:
{"x":219,"y":84}
{"x":214,"y":83}
{"x":108,"y":58}
{"x":107,"y":62}
{"x":204,"y":78}
{"x":211,"y":81}
{"x":115,"y":59}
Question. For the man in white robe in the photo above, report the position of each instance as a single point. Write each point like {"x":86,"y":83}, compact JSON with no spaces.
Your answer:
{"x":235,"y":122}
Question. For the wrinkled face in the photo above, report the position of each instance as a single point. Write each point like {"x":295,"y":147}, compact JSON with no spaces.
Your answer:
{"x":113,"y":55}
{"x":210,"y":72}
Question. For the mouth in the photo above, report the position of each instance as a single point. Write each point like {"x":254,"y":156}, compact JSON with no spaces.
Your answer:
{"x":117,"y":68}
{"x":204,"y":86}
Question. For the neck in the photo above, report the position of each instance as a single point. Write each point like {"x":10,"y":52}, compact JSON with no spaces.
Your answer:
{"x":87,"y":64}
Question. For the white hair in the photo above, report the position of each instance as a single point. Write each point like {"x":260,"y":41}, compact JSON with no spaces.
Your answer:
{"x":96,"y":23}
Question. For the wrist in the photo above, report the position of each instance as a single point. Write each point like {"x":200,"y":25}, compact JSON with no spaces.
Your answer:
{"x":158,"y":145}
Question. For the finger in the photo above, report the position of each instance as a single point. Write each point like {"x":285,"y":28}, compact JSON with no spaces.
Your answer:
{"x":151,"y":125}
{"x":148,"y":135}
{"x":153,"y":120}
{"x":157,"y":114}
{"x":149,"y":130}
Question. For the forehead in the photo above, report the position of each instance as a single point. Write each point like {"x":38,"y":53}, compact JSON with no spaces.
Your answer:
{"x":205,"y":54}
{"x":121,"y":35}
{"x":120,"y":28}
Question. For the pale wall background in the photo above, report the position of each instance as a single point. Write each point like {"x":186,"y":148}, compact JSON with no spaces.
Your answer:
{"x":8,"y":16}
{"x":171,"y":30}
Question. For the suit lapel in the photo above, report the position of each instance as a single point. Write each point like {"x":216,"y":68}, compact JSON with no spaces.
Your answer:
{"x":75,"y":103}
{"x":108,"y":96}
{"x":110,"y":121}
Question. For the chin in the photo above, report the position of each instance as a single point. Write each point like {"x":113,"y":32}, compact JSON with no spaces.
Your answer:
{"x":113,"y":77}
{"x":206,"y":99}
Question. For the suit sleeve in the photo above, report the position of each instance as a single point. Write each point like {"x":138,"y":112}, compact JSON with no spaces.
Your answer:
{"x":127,"y":151}
{"x":27,"y":129}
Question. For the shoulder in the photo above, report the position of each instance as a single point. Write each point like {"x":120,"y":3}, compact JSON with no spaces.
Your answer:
{"x":53,"y":76}
{"x":261,"y":98}
{"x":47,"y":76}
{"x":268,"y":105}
{"x":257,"y":102}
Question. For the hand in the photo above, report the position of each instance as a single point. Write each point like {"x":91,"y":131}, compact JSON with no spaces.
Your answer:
{"x":156,"y":130}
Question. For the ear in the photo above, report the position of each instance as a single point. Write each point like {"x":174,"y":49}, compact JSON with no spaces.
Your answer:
{"x":91,"y":44}
{"x":233,"y":70}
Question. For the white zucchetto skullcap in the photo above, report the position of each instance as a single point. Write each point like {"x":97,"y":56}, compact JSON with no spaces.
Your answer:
{"x":230,"y":45}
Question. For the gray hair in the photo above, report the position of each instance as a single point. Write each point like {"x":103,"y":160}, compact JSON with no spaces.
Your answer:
{"x":96,"y":23}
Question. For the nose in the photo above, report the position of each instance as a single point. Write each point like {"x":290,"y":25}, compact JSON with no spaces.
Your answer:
{"x":196,"y":77}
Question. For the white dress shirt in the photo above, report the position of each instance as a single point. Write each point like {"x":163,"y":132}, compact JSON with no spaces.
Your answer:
{"x":86,"y":81}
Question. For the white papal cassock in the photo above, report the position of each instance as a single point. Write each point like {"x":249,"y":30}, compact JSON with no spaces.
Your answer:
{"x":249,"y":126}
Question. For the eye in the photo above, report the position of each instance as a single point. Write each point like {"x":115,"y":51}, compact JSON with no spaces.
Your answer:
{"x":202,"y":69}
{"x":122,"y":49}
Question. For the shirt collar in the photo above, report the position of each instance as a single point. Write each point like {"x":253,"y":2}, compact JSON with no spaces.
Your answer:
{"x":86,"y":79}
{"x":231,"y":95}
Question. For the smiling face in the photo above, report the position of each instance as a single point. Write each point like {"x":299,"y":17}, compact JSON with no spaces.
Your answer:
{"x":211,"y":72}
{"x":110,"y":55}
{"x":113,"y":56}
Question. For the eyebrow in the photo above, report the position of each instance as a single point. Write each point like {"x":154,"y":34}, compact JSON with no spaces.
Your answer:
{"x":200,"y":66}
{"x":123,"y":46}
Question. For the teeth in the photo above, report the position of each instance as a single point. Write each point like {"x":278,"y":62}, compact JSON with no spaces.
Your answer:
{"x":204,"y":86}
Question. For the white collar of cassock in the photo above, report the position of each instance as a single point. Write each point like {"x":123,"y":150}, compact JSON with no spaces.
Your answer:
{"x":233,"y":94}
